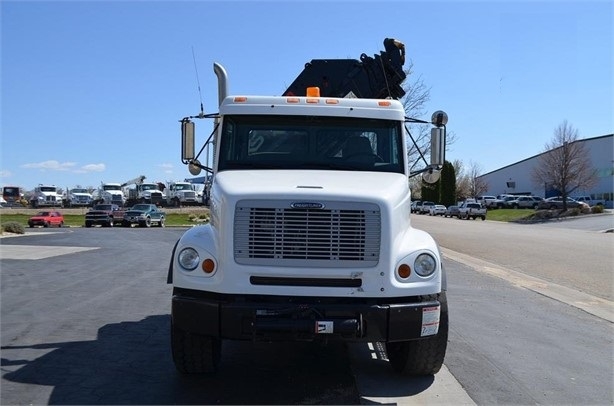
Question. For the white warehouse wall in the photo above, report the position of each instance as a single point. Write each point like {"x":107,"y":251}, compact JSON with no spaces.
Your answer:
{"x":600,"y":150}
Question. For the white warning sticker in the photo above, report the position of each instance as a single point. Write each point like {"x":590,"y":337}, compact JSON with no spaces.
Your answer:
{"x":324,"y":327}
{"x":430,"y":321}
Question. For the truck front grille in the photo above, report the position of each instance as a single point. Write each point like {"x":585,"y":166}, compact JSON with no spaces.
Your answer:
{"x":338,"y":235}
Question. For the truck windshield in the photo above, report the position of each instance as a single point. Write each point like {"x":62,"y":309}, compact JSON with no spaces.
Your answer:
{"x":300,"y":142}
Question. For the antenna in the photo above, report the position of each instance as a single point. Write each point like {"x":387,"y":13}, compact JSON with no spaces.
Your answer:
{"x":202,"y":109}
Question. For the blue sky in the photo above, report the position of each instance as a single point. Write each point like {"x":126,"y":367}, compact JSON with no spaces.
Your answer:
{"x":93,"y":91}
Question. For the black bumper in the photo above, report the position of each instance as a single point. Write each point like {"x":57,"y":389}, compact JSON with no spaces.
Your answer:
{"x":293,"y":318}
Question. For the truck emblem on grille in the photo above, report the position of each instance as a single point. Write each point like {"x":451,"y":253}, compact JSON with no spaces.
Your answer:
{"x":307,"y":205}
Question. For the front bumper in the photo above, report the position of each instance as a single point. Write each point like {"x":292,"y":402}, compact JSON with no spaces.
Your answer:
{"x":244,"y":317}
{"x":33,"y":223}
{"x":134,"y":219}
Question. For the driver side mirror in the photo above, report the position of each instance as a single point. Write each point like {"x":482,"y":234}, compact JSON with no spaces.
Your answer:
{"x":187,"y":140}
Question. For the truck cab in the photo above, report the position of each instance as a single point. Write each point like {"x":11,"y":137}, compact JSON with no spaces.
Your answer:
{"x":45,"y":196}
{"x":310,"y":235}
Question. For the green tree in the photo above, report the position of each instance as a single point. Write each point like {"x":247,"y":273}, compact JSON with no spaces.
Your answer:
{"x":447,"y":185}
{"x":430,"y":191}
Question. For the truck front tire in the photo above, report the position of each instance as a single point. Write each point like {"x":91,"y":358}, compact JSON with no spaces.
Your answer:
{"x":424,"y":356}
{"x":193,"y":353}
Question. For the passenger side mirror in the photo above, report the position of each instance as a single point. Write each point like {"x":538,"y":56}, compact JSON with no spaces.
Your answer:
{"x":438,"y":146}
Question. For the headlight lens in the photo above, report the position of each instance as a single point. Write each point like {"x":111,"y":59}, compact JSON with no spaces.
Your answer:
{"x":425,"y":265}
{"x":189,"y":259}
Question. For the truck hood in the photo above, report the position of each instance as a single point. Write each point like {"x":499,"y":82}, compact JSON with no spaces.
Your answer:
{"x":376,"y":187}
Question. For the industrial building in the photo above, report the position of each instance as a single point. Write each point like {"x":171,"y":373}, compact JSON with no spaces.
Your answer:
{"x":516,"y":178}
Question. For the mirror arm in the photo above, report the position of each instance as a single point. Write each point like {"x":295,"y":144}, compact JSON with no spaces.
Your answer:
{"x":206,"y":143}
{"x":414,"y":141}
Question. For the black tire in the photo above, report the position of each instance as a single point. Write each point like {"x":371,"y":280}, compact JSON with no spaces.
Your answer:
{"x":61,"y":224}
{"x":46,"y":224}
{"x":424,"y":356}
{"x":146,"y":223}
{"x":483,"y":218}
{"x":88,"y":224}
{"x":161,"y":223}
{"x":193,"y":353}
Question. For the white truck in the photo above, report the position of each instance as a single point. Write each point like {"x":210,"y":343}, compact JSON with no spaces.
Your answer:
{"x":138,"y":191}
{"x":109,"y":193}
{"x":45,"y":196}
{"x":77,"y":197}
{"x":181,"y":194}
{"x":310,"y":235}
{"x":471,"y":210}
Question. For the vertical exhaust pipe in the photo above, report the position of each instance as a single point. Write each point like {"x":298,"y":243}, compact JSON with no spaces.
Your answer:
{"x":222,"y":82}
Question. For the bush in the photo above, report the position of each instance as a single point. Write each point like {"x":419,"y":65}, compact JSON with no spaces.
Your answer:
{"x":199,"y":217}
{"x":597,"y":209}
{"x":13,"y":227}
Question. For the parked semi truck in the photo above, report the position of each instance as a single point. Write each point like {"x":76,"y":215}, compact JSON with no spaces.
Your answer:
{"x":181,"y":194}
{"x":310,"y":235}
{"x":109,"y":193}
{"x":77,"y":197}
{"x":45,"y":196}
{"x":138,"y":191}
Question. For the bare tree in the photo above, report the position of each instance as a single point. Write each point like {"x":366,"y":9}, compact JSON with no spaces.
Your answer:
{"x":477,"y":185}
{"x":565,"y":165}
{"x":468,"y":180}
{"x":417,"y":94}
{"x":462,"y":180}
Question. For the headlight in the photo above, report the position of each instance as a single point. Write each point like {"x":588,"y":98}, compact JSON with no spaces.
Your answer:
{"x":425,"y":265}
{"x":188,"y":259}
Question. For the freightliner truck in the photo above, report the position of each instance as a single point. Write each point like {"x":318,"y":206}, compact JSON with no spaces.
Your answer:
{"x":310,"y":235}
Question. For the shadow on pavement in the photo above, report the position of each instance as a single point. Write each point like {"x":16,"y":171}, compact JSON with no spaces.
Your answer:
{"x":130,"y":363}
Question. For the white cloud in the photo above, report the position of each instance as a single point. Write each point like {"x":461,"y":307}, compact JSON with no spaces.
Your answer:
{"x":5,"y":174}
{"x":166,"y":166}
{"x":93,"y":167}
{"x":51,"y":165}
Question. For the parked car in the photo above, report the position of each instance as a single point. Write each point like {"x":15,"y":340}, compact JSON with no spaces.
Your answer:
{"x":554,"y":203}
{"x":472,"y":210}
{"x":452,"y":211}
{"x":524,"y":202}
{"x":590,"y":201}
{"x":46,"y":219}
{"x":491,"y":202}
{"x":437,"y":210}
{"x":415,"y":206}
{"x":144,"y":215}
{"x":426,"y":207}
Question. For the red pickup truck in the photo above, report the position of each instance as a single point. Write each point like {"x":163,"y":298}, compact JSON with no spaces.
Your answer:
{"x":106,"y":215}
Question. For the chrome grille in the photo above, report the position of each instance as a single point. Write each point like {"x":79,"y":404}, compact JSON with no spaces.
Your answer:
{"x":338,"y":235}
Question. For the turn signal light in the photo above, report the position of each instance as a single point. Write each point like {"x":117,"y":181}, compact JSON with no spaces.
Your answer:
{"x":208,"y":266}
{"x":404,"y":271}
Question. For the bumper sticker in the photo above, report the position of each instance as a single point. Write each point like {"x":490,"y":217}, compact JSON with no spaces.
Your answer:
{"x":430,"y":321}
